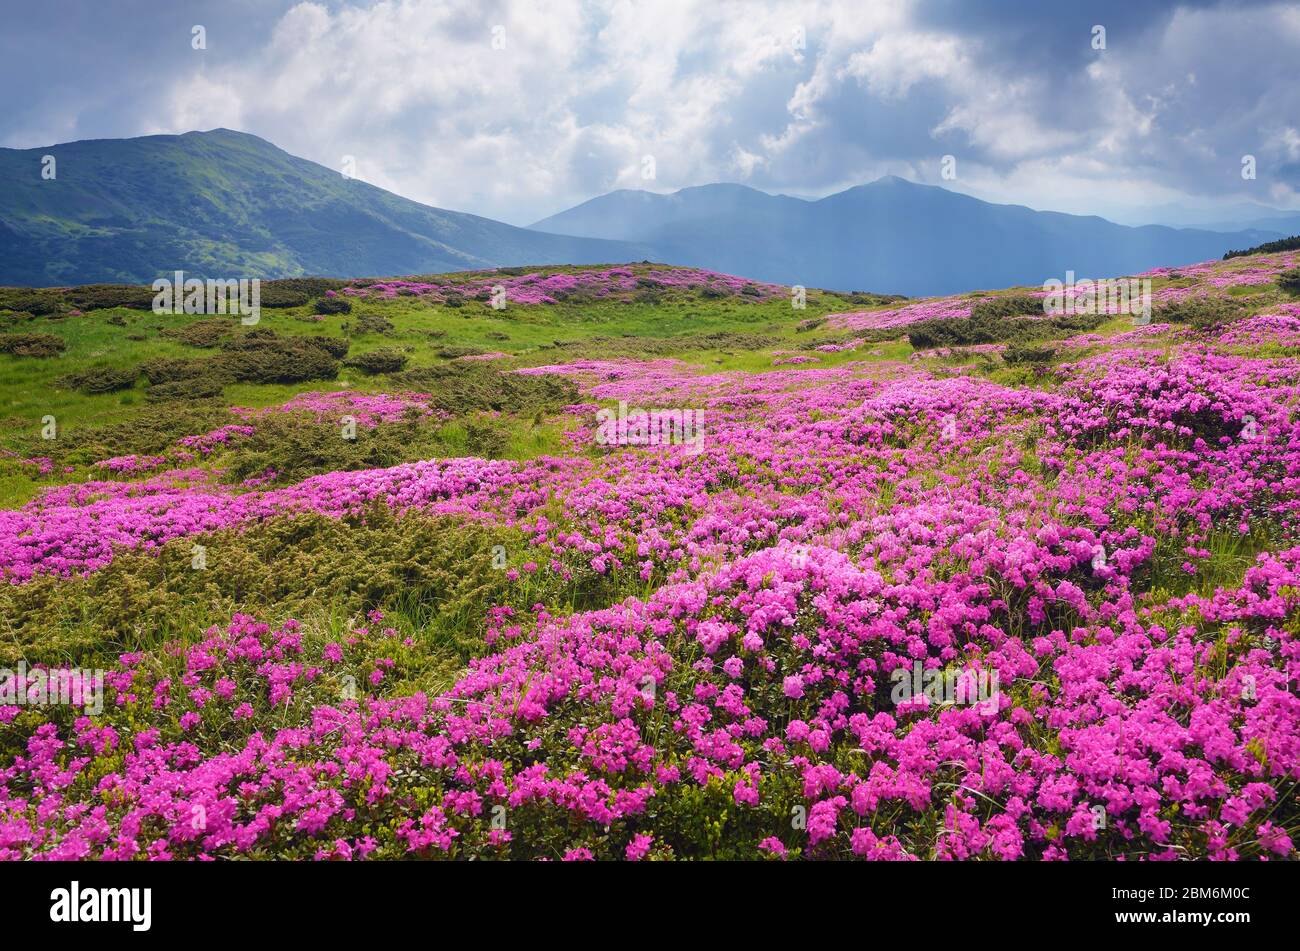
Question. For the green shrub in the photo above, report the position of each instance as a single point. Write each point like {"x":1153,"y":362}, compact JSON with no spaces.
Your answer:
{"x":1201,"y":313}
{"x":37,"y":301}
{"x":311,"y":286}
{"x":486,"y":437}
{"x":295,"y":446}
{"x":39,"y":345}
{"x":104,"y":296}
{"x":277,"y":296}
{"x":169,"y":370}
{"x":1269,"y":247}
{"x":1289,"y":280}
{"x":100,"y":380}
{"x":1014,"y":305}
{"x":463,"y":388}
{"x":195,"y":388}
{"x":454,"y":352}
{"x":373,"y":324}
{"x":1021,"y":352}
{"x":386,"y":360}
{"x":278,"y":361}
{"x":332,"y":305}
{"x":206,"y":334}
{"x":436,"y":568}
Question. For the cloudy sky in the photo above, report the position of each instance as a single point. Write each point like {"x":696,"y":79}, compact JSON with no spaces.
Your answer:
{"x":520,"y":108}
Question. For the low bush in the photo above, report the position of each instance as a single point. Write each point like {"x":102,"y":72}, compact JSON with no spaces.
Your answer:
{"x":332,"y":305}
{"x":385,"y":360}
{"x":103,"y":296}
{"x":373,"y":324}
{"x":1201,"y":313}
{"x":1021,"y":352}
{"x":205,"y":334}
{"x":195,"y":388}
{"x":39,"y":345}
{"x":100,"y":380}
{"x":1289,"y":280}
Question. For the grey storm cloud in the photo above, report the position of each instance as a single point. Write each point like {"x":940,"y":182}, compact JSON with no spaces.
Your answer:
{"x":519,"y":108}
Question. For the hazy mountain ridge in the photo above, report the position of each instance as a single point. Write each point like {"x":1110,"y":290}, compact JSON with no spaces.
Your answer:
{"x":890,"y":236}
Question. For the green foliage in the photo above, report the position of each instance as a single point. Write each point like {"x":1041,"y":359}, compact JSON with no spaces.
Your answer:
{"x":1289,"y":280}
{"x":38,"y":345}
{"x":486,"y":437}
{"x":1011,"y":305}
{"x":100,"y":380}
{"x":1201,"y":313}
{"x":195,"y":388}
{"x":205,"y":334}
{"x":991,"y":325}
{"x":296,"y":445}
{"x":440,"y":569}
{"x":332,"y":305}
{"x":103,"y":296}
{"x":461,"y":389}
{"x":1022,"y":352}
{"x":1269,"y":247}
{"x":387,"y":360}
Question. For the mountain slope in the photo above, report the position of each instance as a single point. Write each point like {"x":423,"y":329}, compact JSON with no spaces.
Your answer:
{"x":890,"y":236}
{"x":228,"y":204}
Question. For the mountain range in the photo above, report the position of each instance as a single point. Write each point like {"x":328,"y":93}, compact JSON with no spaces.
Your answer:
{"x":890,"y":236}
{"x":229,"y":204}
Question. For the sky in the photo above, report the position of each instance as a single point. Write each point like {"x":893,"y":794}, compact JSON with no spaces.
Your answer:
{"x":1135,"y":110}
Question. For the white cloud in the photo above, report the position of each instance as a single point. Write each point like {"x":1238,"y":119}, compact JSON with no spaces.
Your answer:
{"x":767,"y":91}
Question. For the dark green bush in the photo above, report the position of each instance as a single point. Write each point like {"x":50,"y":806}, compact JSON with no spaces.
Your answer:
{"x":1021,"y":352}
{"x":311,"y":286}
{"x":103,"y":296}
{"x":1289,"y":280}
{"x":463,"y":388}
{"x":38,"y":345}
{"x":285,"y":566}
{"x":452,"y":352}
{"x":1201,"y":313}
{"x":486,"y":438}
{"x":1015,"y":305}
{"x":276,"y":296}
{"x":206,"y":334}
{"x":378,"y":361}
{"x":332,"y":305}
{"x":278,"y":362}
{"x":195,"y":388}
{"x":167,"y":370}
{"x":296,"y":446}
{"x":100,"y":380}
{"x":1270,"y":247}
{"x":373,"y":324}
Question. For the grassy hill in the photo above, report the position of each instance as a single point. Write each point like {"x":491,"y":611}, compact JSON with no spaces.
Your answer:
{"x":228,"y":205}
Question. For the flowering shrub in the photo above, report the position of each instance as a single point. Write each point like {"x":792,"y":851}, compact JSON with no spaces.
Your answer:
{"x":884,"y":609}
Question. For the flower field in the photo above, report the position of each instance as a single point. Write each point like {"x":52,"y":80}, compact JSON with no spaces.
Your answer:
{"x":468,"y":627}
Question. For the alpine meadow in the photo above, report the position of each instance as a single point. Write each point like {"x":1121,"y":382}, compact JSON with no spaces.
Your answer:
{"x":801,"y":447}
